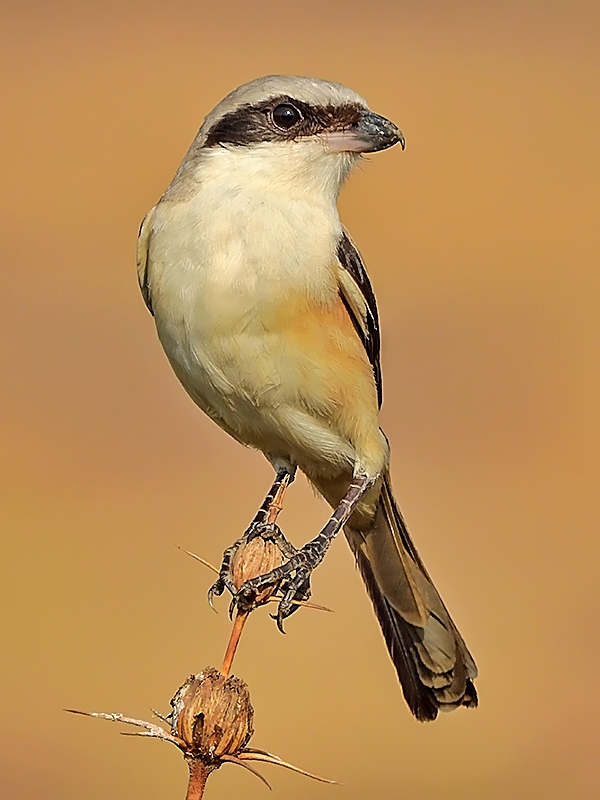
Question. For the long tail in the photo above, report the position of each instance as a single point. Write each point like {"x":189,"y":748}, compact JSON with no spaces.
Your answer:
{"x":434,"y":666}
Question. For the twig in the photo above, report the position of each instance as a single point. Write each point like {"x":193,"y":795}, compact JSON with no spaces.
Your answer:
{"x":304,"y":603}
{"x":199,"y":773}
{"x":201,"y":560}
{"x":240,"y":763}
{"x":150,"y":729}
{"x":277,"y":502}
{"x":268,"y":758}
{"x":238,"y":626}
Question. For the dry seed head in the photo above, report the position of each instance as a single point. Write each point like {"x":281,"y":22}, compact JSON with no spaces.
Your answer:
{"x":211,"y":723}
{"x":212,"y":714}
{"x":254,"y":558}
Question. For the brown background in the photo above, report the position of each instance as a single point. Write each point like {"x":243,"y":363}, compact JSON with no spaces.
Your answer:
{"x":482,"y":244}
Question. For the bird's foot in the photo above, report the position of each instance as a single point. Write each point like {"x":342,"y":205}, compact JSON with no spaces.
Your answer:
{"x":270,"y":532}
{"x":233,"y":566}
{"x":291,"y":579}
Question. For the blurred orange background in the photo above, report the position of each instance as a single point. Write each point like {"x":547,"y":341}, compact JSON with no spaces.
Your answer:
{"x":482,"y":243}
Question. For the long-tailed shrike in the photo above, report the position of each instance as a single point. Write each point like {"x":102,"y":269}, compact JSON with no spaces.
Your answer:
{"x":266,"y":313}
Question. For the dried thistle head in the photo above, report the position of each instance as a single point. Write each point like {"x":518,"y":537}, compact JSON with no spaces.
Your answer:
{"x":212,"y":715}
{"x":253,"y":558}
{"x":211,"y":723}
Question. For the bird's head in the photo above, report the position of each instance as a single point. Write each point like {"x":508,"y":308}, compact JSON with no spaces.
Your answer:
{"x":292,"y":127}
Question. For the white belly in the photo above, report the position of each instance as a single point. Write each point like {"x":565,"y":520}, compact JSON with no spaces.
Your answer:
{"x":227,"y":289}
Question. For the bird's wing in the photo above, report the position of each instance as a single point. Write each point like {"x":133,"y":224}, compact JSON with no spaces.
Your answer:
{"x":359,"y":300}
{"x":142,"y":258}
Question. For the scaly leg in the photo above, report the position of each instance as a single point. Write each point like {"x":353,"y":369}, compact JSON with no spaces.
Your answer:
{"x":263,"y":524}
{"x":293,"y":577}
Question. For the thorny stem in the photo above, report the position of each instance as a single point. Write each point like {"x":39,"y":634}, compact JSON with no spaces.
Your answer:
{"x":199,"y":773}
{"x":199,"y":770}
{"x":236,"y":632}
{"x":277,"y":502}
{"x":242,"y":616}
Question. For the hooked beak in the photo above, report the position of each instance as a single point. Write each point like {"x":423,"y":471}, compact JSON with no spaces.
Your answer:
{"x":370,"y":134}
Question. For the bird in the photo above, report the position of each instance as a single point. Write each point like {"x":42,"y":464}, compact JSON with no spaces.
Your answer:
{"x":266,"y":313}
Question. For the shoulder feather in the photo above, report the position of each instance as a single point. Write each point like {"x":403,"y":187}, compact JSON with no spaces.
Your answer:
{"x":358,"y":297}
{"x":142,"y":258}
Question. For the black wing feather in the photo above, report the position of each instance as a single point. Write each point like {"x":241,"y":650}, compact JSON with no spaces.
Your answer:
{"x":350,"y":260}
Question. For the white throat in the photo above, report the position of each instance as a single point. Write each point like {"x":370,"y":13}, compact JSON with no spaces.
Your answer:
{"x":263,"y":213}
{"x":302,"y":169}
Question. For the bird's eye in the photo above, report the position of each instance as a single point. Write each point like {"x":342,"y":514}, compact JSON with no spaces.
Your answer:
{"x":286,"y":116}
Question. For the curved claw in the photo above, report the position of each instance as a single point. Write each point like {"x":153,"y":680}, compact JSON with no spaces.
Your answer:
{"x":288,"y":605}
{"x":279,"y":620}
{"x":291,"y":578}
{"x":284,"y":610}
{"x":210,"y":603}
{"x":244,"y":596}
{"x":280,"y":616}
{"x":232,"y":606}
{"x":217,"y":590}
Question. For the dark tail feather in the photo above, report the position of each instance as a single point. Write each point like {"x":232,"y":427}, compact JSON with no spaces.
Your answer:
{"x":434,"y":666}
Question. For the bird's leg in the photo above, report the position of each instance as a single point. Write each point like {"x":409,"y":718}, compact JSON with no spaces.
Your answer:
{"x":293,"y":577}
{"x":263,"y":524}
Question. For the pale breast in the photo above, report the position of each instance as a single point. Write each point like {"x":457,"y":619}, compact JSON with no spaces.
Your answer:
{"x":246,"y":299}
{"x":224,"y":275}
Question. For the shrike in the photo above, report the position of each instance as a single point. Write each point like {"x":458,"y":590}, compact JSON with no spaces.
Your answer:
{"x":266,"y":313}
